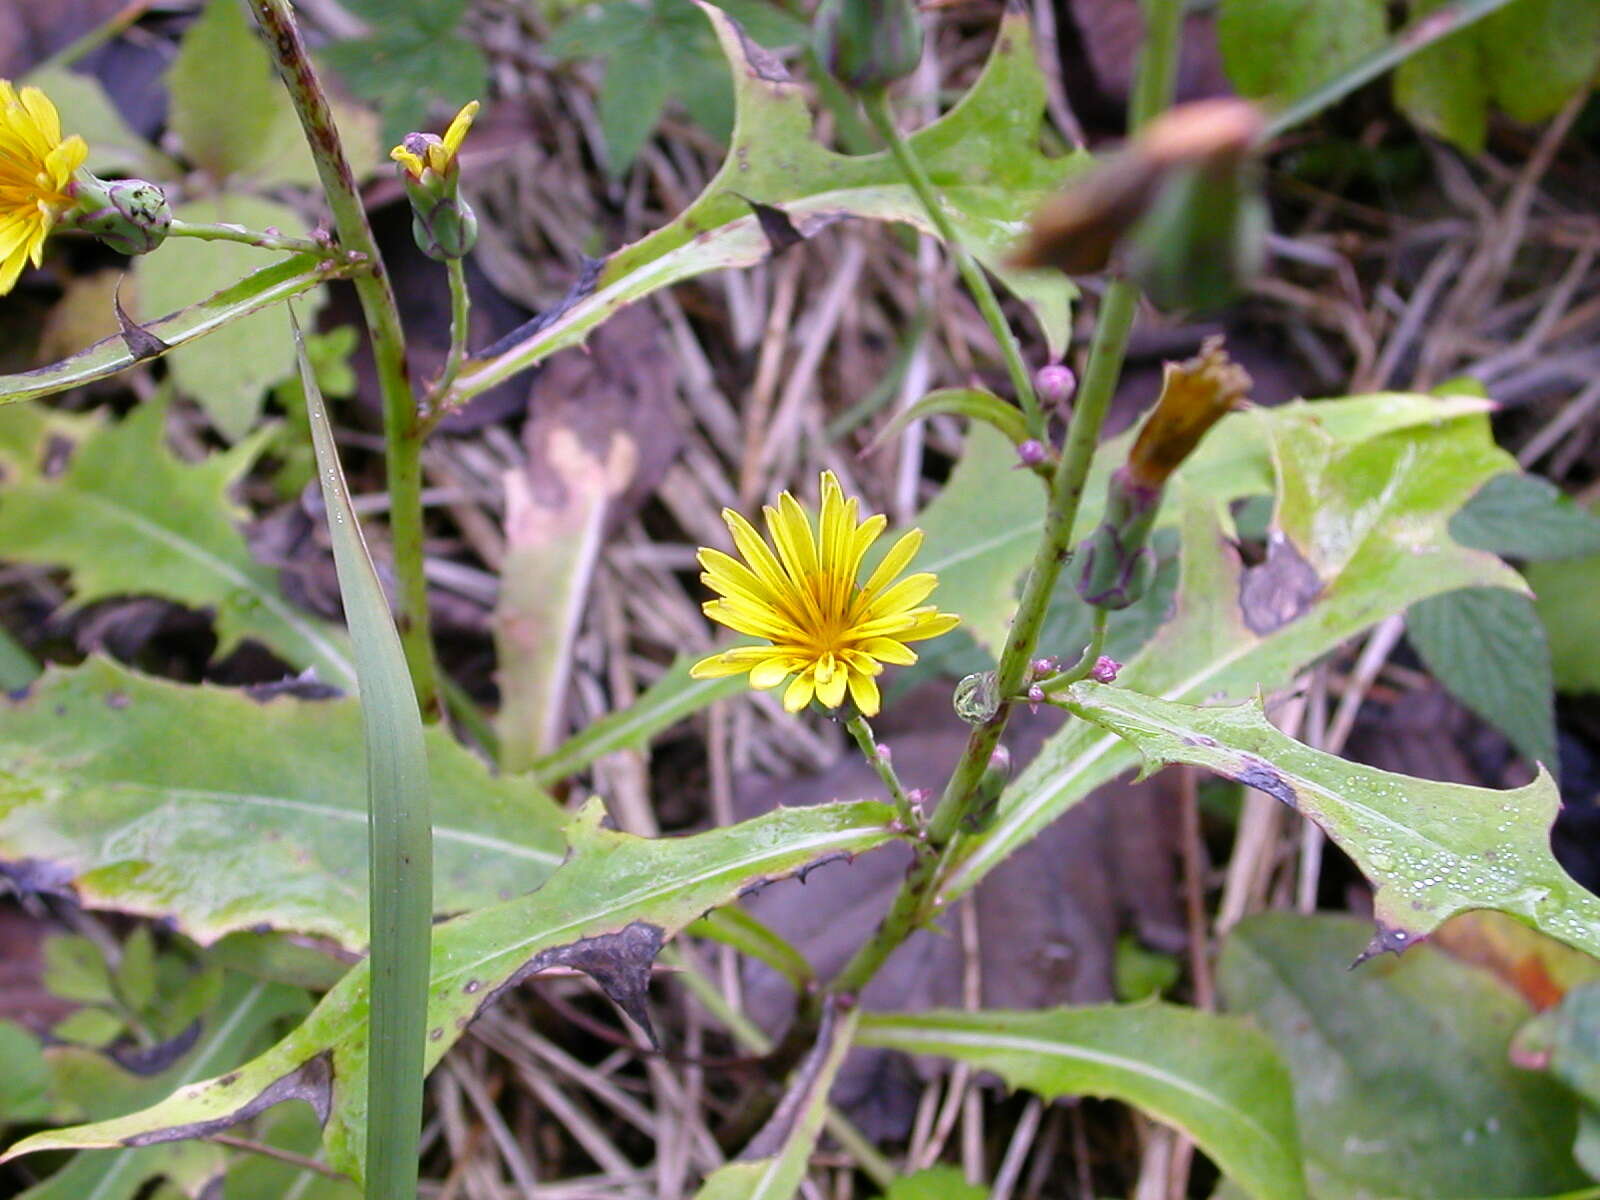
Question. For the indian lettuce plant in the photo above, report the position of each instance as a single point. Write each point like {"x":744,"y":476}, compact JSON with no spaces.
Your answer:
{"x":1364,"y":491}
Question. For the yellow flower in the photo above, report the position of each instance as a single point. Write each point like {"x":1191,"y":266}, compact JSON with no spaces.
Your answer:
{"x":830,"y":633}
{"x":421,"y":151}
{"x":36,"y":168}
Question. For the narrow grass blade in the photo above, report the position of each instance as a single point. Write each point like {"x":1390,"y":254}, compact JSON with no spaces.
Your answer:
{"x":400,"y":883}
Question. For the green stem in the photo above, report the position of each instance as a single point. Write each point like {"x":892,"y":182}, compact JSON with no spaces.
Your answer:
{"x":222,"y":232}
{"x":403,"y":431}
{"x":1440,"y":23}
{"x":878,"y":759}
{"x":1085,"y":664}
{"x":460,"y":312}
{"x":882,"y":118}
{"x":918,"y":898}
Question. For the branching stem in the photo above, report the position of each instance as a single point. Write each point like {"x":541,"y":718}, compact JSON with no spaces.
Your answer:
{"x":460,"y":313}
{"x":877,"y":757}
{"x":918,"y":898}
{"x":403,"y":431}
{"x":882,"y":118}
{"x":218,"y":231}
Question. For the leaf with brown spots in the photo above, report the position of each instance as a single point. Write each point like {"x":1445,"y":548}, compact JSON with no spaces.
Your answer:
{"x":613,"y":900}
{"x":1362,"y":513}
{"x":1431,"y":849}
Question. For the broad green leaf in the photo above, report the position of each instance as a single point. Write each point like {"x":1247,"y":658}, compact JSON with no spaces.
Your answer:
{"x":85,"y":109}
{"x":399,"y":824}
{"x":126,"y":517}
{"x":984,"y":524}
{"x":1566,"y":1042}
{"x":1442,"y":87}
{"x":222,"y":812}
{"x":25,"y":1083}
{"x":1486,"y":646}
{"x":1216,"y":1078}
{"x":773,"y":1164}
{"x":983,"y":154}
{"x":228,"y":373}
{"x":666,"y":702}
{"x":409,"y":68}
{"x":1401,"y":1078}
{"x":942,"y":1182}
{"x":1540,"y":53}
{"x":236,"y":1025}
{"x":633,"y":98}
{"x":1359,"y":533}
{"x":234,"y":118}
{"x":292,"y":1128}
{"x":1285,"y":48}
{"x":1526,"y":517}
{"x":236,"y":298}
{"x":75,"y":969}
{"x":1431,"y":849}
{"x":606,"y":911}
{"x":224,"y":97}
{"x":972,"y":542}
{"x":1565,"y":595}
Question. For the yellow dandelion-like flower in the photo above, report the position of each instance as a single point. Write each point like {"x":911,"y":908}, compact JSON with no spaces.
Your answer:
{"x":422,"y":151}
{"x":36,"y":169}
{"x":800,"y":593}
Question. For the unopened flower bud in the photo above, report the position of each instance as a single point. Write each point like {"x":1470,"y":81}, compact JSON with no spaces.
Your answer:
{"x":1105,"y":669}
{"x":868,"y":44}
{"x":883,"y":751}
{"x":131,"y":216}
{"x":1035,"y":697}
{"x":1056,"y":384}
{"x":1044,"y":666}
{"x":1195,"y":395}
{"x":443,"y":223}
{"x":1030,"y":453}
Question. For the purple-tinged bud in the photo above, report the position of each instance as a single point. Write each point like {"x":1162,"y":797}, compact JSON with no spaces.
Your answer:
{"x":1105,"y":669}
{"x":1035,"y":697}
{"x":1044,"y":666}
{"x":1031,"y":453}
{"x":1056,"y":384}
{"x":884,"y":752}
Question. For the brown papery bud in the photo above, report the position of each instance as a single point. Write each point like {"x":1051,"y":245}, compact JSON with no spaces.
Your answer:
{"x":1195,"y":395}
{"x":1077,"y":230}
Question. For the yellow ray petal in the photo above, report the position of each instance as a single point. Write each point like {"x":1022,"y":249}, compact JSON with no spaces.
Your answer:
{"x":907,"y":594}
{"x":902,"y":552}
{"x":798,"y":694}
{"x":831,"y":690}
{"x":864,"y":691}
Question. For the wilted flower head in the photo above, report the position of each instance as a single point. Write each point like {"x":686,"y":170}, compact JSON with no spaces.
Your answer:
{"x":1195,"y":395}
{"x":36,"y":169}
{"x":421,"y":152}
{"x":830,"y":633}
